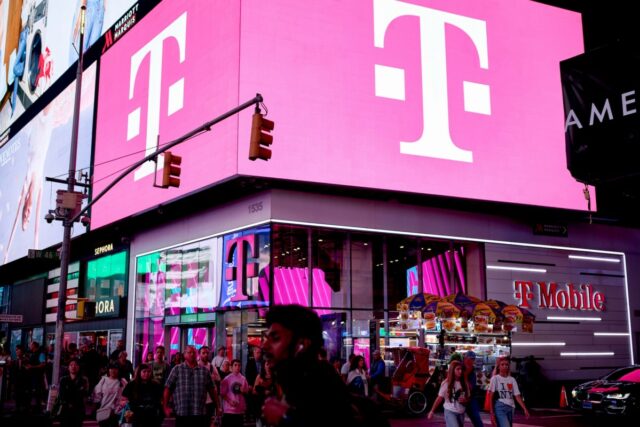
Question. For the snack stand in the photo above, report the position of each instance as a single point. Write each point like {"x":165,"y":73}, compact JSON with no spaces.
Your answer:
{"x":459,"y":323}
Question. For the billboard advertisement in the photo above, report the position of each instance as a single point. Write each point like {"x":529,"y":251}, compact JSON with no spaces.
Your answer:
{"x":38,"y":43}
{"x":459,"y":99}
{"x":41,"y":150}
{"x":175,"y":70}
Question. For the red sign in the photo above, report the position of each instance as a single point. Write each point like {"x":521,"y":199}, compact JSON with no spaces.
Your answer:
{"x":557,"y":297}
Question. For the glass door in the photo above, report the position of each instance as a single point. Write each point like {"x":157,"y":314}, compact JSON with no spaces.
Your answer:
{"x":177,"y":337}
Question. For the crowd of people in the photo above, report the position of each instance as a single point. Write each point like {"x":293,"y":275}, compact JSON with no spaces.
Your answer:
{"x":287,"y":381}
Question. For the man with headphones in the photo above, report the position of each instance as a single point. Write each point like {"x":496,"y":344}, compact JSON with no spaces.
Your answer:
{"x":311,"y":392}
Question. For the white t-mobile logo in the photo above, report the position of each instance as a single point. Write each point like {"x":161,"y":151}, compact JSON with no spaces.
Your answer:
{"x":435,"y":140}
{"x":178,"y":30}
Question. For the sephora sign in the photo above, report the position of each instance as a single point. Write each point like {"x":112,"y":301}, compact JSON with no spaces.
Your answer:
{"x":459,"y":99}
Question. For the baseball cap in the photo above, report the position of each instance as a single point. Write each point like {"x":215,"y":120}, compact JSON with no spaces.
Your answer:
{"x":470,"y":354}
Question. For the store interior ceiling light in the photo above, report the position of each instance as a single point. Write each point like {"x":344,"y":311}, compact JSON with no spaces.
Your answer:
{"x":594,"y":258}
{"x":610,"y":334}
{"x":595,"y":353}
{"x":574,"y":319}
{"x":538,"y":344}
{"x":527,"y":269}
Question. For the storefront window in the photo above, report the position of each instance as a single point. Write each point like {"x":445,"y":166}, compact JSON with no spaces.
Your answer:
{"x":106,"y":277}
{"x":443,"y":268}
{"x":401,"y":259}
{"x":290,"y":265}
{"x":330,"y":278}
{"x":246,"y":264}
{"x":334,"y":327}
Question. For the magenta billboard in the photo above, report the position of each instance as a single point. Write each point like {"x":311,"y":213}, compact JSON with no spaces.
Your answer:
{"x":459,"y":99}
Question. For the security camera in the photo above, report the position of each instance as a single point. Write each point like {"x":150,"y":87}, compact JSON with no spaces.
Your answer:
{"x":49,"y":217}
{"x":85,"y":220}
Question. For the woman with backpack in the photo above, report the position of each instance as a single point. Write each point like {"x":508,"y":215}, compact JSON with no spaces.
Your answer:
{"x":357,"y":379}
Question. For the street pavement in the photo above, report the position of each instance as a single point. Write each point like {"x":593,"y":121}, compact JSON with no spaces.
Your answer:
{"x":540,"y":417}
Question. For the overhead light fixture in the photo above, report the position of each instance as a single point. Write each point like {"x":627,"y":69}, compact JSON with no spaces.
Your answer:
{"x":595,"y":353}
{"x":527,"y":269}
{"x":538,"y":344}
{"x":610,"y":334}
{"x":594,"y":258}
{"x":575,"y":319}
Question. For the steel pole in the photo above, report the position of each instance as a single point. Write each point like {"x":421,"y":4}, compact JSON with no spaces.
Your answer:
{"x":67,"y":221}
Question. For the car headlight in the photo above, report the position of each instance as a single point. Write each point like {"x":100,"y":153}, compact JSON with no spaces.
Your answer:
{"x":620,"y":396}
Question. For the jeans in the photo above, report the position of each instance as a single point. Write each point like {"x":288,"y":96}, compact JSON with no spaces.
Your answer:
{"x":473,"y":411}
{"x":453,"y":419}
{"x":504,"y":414}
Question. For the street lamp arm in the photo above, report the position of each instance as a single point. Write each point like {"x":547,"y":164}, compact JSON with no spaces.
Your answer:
{"x":202,"y":128}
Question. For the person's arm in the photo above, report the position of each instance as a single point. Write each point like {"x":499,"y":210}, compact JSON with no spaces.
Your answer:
{"x":213,"y":393}
{"x":256,"y":384}
{"x":492,"y":388}
{"x":521,"y":403}
{"x":274,"y":411}
{"x":435,"y":405}
{"x":166,"y":396}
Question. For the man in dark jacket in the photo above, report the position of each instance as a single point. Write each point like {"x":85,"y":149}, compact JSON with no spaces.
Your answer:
{"x":313,"y":394}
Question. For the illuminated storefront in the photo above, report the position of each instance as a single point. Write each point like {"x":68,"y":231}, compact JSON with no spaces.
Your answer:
{"x":200,"y":294}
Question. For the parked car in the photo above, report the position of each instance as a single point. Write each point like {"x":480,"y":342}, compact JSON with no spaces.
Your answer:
{"x":617,"y":393}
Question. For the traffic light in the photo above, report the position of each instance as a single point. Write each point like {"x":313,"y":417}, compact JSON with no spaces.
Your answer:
{"x":260,"y":138}
{"x":171,"y":170}
{"x":85,"y":309}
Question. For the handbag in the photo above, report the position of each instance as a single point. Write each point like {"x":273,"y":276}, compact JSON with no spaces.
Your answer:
{"x":103,"y":414}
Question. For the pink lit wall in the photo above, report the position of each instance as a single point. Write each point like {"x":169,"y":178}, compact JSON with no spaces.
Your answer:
{"x":175,"y":70}
{"x":353,"y":85}
{"x":458,"y":99}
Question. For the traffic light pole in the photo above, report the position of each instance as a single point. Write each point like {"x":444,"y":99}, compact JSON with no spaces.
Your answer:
{"x":202,"y":128}
{"x":67,"y":222}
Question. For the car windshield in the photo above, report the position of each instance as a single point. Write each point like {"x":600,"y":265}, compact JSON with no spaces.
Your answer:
{"x":630,"y":374}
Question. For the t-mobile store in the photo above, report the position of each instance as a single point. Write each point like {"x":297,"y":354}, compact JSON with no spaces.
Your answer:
{"x":457,"y":101}
{"x":213,"y":290}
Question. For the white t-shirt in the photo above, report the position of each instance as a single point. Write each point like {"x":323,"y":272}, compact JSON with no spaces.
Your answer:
{"x":507,"y":388}
{"x":451,"y":404}
{"x":218,"y":361}
{"x":345,"y":369}
{"x":353,"y":374}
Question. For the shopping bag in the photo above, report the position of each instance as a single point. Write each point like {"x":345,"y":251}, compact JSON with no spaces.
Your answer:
{"x":103,"y":414}
{"x":487,"y":401}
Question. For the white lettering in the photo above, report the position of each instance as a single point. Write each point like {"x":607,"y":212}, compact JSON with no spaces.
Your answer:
{"x":572,"y":119}
{"x":605,"y":109}
{"x":104,"y":307}
{"x":103,"y":249}
{"x":178,"y":30}
{"x":626,"y":102}
{"x":435,"y":140}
